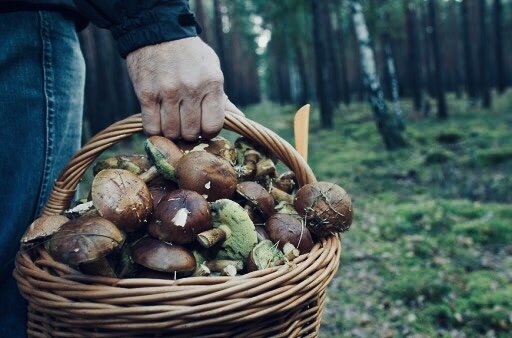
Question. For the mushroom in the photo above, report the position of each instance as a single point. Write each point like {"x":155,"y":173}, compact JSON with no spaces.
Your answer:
{"x":158,"y":191}
{"x":136,"y":164}
{"x":164,"y":154}
{"x":264,"y":255}
{"x":122,"y":198}
{"x":164,"y":257}
{"x":257,"y":197}
{"x":286,"y":182}
{"x":284,"y":228}
{"x":180,"y":216}
{"x":217,"y":146}
{"x":43,"y":227}
{"x":326,"y":206}
{"x":261,"y":233}
{"x":233,"y":227}
{"x":85,"y":242}
{"x":207,"y":174}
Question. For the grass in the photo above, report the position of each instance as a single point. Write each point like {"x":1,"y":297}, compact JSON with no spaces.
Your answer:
{"x":429,"y":253}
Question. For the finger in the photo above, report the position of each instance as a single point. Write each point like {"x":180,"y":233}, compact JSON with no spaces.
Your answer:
{"x":190,"y":118}
{"x":170,"y":119}
{"x":212,"y":114}
{"x":151,"y":119}
{"x":232,"y":108}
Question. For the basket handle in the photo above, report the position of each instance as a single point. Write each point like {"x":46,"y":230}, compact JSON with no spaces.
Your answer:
{"x":65,"y":186}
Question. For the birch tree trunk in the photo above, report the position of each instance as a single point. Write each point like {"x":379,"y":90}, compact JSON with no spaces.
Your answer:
{"x":390,"y":125}
{"x":393,"y":78}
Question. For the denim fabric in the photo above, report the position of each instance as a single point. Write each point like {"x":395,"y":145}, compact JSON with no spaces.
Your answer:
{"x":42,"y":74}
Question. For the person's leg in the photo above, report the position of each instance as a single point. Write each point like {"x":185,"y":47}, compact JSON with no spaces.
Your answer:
{"x":42,"y":76}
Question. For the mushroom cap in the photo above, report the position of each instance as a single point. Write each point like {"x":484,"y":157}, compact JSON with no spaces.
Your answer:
{"x":160,"y":256}
{"x":135,"y":163}
{"x":122,"y":198}
{"x":264,"y":255}
{"x":84,"y":240}
{"x":43,"y":227}
{"x":257,"y":197}
{"x":326,"y":206}
{"x":209,"y":175}
{"x":286,"y":228}
{"x":241,"y":235}
{"x":164,"y":154}
{"x":180,"y":216}
{"x":218,"y":145}
{"x":158,"y":191}
{"x":287,"y":182}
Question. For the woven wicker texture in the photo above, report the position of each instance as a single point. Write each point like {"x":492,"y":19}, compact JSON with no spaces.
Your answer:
{"x":284,"y":301}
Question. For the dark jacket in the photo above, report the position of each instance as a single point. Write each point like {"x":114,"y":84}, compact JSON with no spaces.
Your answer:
{"x":133,"y":23}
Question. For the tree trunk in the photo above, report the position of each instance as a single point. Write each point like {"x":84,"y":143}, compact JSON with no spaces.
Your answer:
{"x":109,"y":95}
{"x":413,"y":56}
{"x":482,"y":51}
{"x":203,"y":21}
{"x":442,"y":110}
{"x":498,"y":47}
{"x":455,"y":50}
{"x":389,"y":125}
{"x":332,"y":54}
{"x":468,"y":54}
{"x":393,"y":78}
{"x":322,"y":65}
{"x":301,"y":65}
{"x":221,"y":47}
{"x":342,"y":56}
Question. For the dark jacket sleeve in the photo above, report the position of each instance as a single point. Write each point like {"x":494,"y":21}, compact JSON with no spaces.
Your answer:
{"x":138,"y":23}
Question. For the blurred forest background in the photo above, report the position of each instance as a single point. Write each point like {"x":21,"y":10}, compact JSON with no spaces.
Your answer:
{"x":412,"y":112}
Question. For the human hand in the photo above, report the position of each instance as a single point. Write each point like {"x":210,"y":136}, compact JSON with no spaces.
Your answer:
{"x":179,"y":85}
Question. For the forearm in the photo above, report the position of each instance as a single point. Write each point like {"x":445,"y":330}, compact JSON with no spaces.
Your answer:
{"x":136,"y":23}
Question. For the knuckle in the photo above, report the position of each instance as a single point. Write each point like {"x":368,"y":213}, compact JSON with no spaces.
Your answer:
{"x":147,"y":97}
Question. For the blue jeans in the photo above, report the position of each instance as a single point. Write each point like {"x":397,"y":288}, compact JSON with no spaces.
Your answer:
{"x":42,"y":75}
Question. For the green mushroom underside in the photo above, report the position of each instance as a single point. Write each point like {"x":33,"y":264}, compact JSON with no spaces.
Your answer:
{"x":266,"y":254}
{"x":241,"y":237}
{"x":164,"y":168}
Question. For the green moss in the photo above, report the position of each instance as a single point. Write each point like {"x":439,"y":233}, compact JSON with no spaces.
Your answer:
{"x":438,"y":156}
{"x":449,"y":137}
{"x":486,"y":231}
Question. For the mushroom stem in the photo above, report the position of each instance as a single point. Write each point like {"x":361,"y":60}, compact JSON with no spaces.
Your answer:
{"x":211,"y":237}
{"x":280,"y":196}
{"x":265,"y":167}
{"x":229,"y":270}
{"x":201,"y":270}
{"x":290,"y":251}
{"x":149,"y":175}
{"x":217,"y":265}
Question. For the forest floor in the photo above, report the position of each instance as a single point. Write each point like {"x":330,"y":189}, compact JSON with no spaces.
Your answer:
{"x":430,"y":250}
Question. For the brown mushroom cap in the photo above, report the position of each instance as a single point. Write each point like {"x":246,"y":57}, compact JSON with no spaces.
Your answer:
{"x":84,"y":239}
{"x":207,"y":174}
{"x":326,"y":206}
{"x":286,"y":228}
{"x":158,"y":191}
{"x":161,"y":256}
{"x":180,"y":216}
{"x":122,"y":198}
{"x":286,"y":182}
{"x":43,"y":227}
{"x":257,"y":197}
{"x":217,"y":146}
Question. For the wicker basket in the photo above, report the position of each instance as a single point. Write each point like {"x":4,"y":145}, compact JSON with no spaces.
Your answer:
{"x":284,"y":301}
